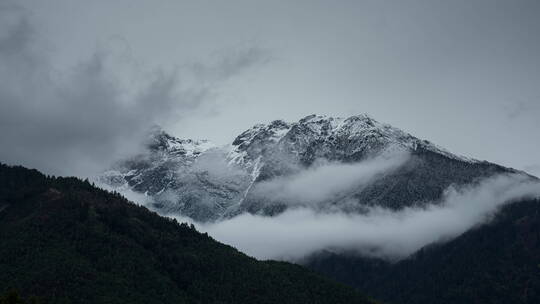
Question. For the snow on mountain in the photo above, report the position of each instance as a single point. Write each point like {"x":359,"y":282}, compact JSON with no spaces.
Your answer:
{"x":205,"y":182}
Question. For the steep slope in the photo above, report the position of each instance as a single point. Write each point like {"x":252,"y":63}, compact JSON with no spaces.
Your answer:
{"x":68,"y":242}
{"x":221,"y":182}
{"x":182,"y":177}
{"x":421,"y":179}
{"x":494,"y":263}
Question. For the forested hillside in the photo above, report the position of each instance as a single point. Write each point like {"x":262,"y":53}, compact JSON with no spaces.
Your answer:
{"x":494,"y":263}
{"x":65,"y":241}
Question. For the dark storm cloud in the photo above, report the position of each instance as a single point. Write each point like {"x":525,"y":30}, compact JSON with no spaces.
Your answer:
{"x":79,"y":120}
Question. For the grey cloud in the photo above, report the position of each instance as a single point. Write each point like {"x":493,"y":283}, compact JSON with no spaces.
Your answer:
{"x":437,"y":69}
{"x":78,"y":121}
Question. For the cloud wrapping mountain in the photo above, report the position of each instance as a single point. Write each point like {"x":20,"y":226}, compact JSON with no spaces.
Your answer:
{"x":297,"y":233}
{"x":288,"y":190}
{"x":326,"y":181}
{"x":78,"y":121}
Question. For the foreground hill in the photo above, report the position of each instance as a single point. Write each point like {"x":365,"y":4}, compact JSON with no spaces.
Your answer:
{"x":65,"y":241}
{"x":495,"y":263}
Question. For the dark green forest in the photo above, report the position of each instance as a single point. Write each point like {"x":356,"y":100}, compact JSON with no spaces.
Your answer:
{"x":62,"y":240}
{"x":498,"y":262}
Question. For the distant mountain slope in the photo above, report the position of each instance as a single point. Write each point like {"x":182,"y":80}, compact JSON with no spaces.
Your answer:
{"x":495,"y":263}
{"x":182,"y":177}
{"x":68,"y":242}
{"x":208,"y":183}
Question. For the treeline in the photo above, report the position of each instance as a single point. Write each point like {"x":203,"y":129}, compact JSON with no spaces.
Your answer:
{"x":498,"y":262}
{"x":13,"y":297}
{"x":65,"y":241}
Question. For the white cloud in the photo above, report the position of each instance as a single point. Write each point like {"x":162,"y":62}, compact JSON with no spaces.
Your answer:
{"x":327,"y":180}
{"x":297,"y":233}
{"x":308,"y":226}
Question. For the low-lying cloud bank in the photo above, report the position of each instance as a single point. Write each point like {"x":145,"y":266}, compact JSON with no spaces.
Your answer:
{"x":382,"y":233}
{"x":309,"y":225}
{"x":327,"y":180}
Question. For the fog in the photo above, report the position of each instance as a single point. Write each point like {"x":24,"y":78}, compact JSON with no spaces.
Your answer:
{"x":310,"y":225}
{"x":327,"y":180}
{"x":420,"y":61}
{"x":79,"y":120}
{"x":380,"y":232}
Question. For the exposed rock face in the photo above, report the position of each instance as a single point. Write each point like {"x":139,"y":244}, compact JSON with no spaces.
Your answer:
{"x":205,"y":182}
{"x":183,"y":177}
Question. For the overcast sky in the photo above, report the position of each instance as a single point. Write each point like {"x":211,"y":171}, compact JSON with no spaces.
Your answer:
{"x":463,"y":74}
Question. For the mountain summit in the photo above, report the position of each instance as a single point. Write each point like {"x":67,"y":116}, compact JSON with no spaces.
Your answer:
{"x":197,"y":179}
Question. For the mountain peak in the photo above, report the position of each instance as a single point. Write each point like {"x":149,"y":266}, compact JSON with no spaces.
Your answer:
{"x":323,"y":117}
{"x":314,"y":118}
{"x":160,"y":141}
{"x":205,"y":182}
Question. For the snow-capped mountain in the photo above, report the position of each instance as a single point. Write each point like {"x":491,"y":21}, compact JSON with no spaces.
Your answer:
{"x":207,"y":182}
{"x":184,"y":177}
